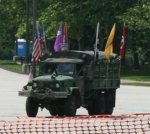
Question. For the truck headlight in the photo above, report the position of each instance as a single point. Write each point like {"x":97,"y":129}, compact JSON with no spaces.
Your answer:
{"x":34,"y":85}
{"x":57,"y":85}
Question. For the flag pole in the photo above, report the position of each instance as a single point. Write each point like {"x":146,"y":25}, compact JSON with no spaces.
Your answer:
{"x":34,"y":33}
{"x":44,"y":36}
{"x":123,"y":44}
{"x":96,"y":42}
{"x":59,"y":39}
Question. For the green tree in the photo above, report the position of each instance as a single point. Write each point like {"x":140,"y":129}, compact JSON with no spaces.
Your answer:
{"x":137,"y":20}
{"x":81,"y":17}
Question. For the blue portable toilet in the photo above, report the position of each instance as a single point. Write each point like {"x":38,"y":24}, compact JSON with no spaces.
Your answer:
{"x":21,"y":47}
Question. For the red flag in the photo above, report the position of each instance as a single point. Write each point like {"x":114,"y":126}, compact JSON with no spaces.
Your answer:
{"x":122,"y":47}
{"x":30,"y":76}
{"x":64,"y":45}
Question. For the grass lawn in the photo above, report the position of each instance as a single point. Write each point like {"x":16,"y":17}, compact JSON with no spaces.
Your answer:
{"x":11,"y":66}
{"x":138,"y":75}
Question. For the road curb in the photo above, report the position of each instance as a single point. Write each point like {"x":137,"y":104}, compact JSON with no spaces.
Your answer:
{"x":135,"y":83}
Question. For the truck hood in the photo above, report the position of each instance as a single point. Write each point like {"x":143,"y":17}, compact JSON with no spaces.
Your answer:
{"x":51,"y":78}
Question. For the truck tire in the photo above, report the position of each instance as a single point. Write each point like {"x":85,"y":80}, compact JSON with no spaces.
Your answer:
{"x":110,"y":98}
{"x":97,"y":105}
{"x":57,"y":108}
{"x":109,"y":110}
{"x":56,"y":111}
{"x":70,"y":106}
{"x":60,"y":107}
{"x":52,"y":111}
{"x":31,"y":107}
{"x":60,"y":111}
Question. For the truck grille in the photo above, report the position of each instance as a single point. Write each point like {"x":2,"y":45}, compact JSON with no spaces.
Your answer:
{"x":47,"y":85}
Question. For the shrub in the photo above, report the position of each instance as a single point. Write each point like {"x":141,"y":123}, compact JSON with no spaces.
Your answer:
{"x":6,"y":54}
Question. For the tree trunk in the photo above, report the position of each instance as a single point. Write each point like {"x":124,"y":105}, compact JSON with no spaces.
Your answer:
{"x":79,"y":44}
{"x":123,"y":61}
{"x":136,"y":60}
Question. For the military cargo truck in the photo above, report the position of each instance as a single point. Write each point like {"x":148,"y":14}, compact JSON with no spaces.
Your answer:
{"x":67,"y":80}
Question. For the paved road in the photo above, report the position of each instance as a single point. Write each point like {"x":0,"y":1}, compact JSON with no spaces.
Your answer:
{"x":129,"y":99}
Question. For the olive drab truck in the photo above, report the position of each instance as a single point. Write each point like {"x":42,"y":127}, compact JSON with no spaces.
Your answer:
{"x":67,"y":80}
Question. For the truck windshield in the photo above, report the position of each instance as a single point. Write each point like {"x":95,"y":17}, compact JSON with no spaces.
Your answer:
{"x":65,"y":69}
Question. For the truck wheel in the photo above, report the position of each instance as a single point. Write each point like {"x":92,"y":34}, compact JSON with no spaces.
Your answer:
{"x":52,"y":111}
{"x":60,"y":107}
{"x":57,"y":108}
{"x":70,"y":106}
{"x":56,"y":111}
{"x":110,"y":98}
{"x":109,"y":110}
{"x":31,"y":107}
{"x":97,"y":106}
{"x":60,"y":111}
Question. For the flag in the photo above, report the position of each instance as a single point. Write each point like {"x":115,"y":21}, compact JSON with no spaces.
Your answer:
{"x":38,"y":47}
{"x":30,"y":75}
{"x":64,"y":45}
{"x":122,"y":47}
{"x":109,"y":44}
{"x":58,"y":41}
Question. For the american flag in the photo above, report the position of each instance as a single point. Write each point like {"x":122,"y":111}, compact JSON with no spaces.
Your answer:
{"x":38,"y":46}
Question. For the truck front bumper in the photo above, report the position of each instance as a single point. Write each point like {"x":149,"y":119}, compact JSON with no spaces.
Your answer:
{"x":45,"y":95}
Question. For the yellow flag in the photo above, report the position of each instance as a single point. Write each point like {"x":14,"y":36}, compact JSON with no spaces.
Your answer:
{"x":109,"y":44}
